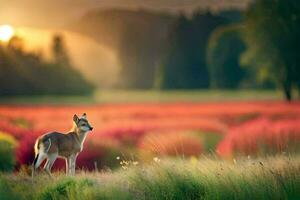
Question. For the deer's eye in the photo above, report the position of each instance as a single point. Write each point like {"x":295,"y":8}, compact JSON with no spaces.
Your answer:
{"x":83,"y":125}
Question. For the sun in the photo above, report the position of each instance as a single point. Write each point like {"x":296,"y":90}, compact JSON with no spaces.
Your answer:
{"x":6,"y":32}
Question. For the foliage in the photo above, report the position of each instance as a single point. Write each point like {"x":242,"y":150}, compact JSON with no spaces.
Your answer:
{"x":24,"y":73}
{"x":223,"y":53}
{"x":25,"y":149}
{"x":272,"y":35}
{"x":262,"y":136}
{"x":184,"y":65}
{"x":100,"y":154}
{"x":171,"y":144}
{"x":7,"y":152}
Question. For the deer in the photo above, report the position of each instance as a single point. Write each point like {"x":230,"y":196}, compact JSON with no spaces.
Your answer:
{"x":53,"y":145}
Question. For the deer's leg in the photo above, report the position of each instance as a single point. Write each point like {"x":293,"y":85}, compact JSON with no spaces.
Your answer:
{"x":73,"y":164}
{"x":38,"y":161}
{"x":69,"y":165}
{"x":50,"y":161}
{"x":46,"y":163}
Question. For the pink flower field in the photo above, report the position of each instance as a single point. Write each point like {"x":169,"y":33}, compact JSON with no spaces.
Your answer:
{"x":131,"y":131}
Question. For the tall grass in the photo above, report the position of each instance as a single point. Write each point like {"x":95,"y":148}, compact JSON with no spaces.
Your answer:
{"x":269,"y":178}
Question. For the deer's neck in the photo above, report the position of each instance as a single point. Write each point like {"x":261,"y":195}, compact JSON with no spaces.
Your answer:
{"x":81,"y":135}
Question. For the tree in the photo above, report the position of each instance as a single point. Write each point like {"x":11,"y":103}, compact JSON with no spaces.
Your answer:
{"x":59,"y":51}
{"x":26,"y":73}
{"x":223,"y":53}
{"x":184,"y":63}
{"x":71,"y":81}
{"x":174,"y":68}
{"x":272,"y":34}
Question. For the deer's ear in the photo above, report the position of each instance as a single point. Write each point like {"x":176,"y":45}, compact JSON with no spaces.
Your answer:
{"x":84,"y":116}
{"x":75,"y":119}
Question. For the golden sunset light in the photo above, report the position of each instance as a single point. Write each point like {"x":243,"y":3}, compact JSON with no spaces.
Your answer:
{"x":6,"y":32}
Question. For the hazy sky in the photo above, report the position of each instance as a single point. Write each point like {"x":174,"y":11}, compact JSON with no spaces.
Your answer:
{"x":57,"y":12}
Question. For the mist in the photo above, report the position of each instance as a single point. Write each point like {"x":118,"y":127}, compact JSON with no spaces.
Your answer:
{"x":57,"y":13}
{"x":96,"y":62}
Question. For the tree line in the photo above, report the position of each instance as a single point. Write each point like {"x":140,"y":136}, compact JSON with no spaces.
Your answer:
{"x":258,"y":50}
{"x":254,"y":48}
{"x":28,"y":73}
{"x":233,"y":49}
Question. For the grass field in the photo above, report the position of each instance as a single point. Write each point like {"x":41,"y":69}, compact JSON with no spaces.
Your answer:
{"x":205,"y":178}
{"x":144,"y":96}
{"x":210,"y":145}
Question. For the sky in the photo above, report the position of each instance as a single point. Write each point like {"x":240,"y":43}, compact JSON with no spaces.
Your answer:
{"x":53,"y":13}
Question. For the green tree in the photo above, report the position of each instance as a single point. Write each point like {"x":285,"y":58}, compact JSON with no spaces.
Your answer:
{"x":174,"y":70}
{"x":59,"y":51}
{"x":272,"y":34}
{"x":184,"y":63}
{"x":26,"y":73}
{"x":71,"y":81}
{"x":223,"y":53}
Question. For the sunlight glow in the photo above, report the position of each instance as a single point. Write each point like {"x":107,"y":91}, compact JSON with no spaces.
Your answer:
{"x":6,"y":32}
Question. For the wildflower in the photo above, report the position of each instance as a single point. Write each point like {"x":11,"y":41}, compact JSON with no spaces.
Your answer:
{"x":156,"y":159}
{"x":118,"y":157}
{"x":135,"y":162}
{"x":193,"y":160}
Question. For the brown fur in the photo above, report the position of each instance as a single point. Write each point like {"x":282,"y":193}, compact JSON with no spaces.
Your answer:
{"x":52,"y":145}
{"x":62,"y":144}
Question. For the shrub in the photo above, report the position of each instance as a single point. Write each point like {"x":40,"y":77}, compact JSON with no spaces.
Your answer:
{"x":99,"y":154}
{"x":68,"y":188}
{"x":262,"y":136}
{"x":128,"y":136}
{"x":171,"y":144}
{"x":7,"y":152}
{"x":11,"y":129}
{"x":25,"y":149}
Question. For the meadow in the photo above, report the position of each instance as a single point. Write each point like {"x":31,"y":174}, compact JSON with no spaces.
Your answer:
{"x":142,"y":131}
{"x":158,"y":149}
{"x":205,"y":178}
{"x":148,"y":96}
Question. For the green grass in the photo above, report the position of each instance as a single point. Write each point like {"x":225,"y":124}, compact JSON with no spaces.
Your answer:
{"x":208,"y":178}
{"x":152,"y":96}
